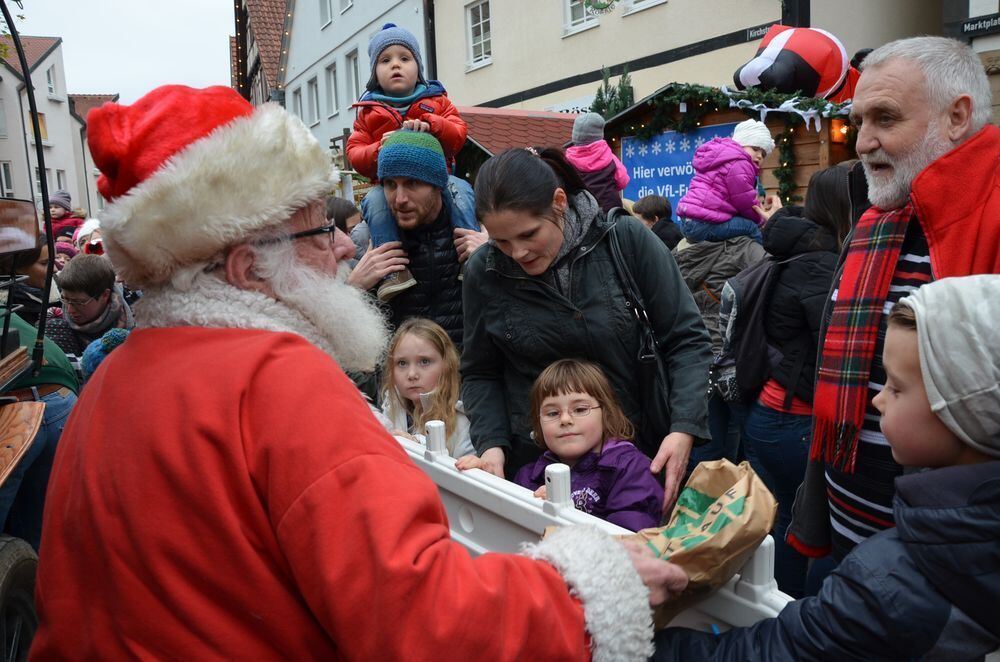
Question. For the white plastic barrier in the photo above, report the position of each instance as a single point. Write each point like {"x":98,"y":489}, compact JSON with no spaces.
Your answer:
{"x":490,"y":514}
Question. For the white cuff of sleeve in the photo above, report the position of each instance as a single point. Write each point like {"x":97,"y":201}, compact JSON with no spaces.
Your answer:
{"x":600,"y":574}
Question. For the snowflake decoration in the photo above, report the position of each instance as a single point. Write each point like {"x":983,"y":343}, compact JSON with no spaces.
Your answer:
{"x":642,"y":150}
{"x":685,"y":145}
{"x":699,"y":142}
{"x":671,"y":146}
{"x":656,"y":148}
{"x":629,"y":150}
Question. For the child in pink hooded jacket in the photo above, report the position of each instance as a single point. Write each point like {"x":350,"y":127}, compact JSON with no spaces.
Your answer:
{"x":601,"y":171}
{"x":720,"y":203}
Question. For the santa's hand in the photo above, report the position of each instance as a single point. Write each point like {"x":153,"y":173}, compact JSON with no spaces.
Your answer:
{"x":664,"y":580}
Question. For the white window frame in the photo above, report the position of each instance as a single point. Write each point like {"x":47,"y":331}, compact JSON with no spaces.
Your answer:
{"x":50,"y":80}
{"x":38,"y":181}
{"x":332,"y":91}
{"x":60,"y":180}
{"x":48,"y":178}
{"x":345,"y":5}
{"x":325,"y":13}
{"x":312,"y":99}
{"x":7,"y":179}
{"x":354,"y":75}
{"x":486,"y":57}
{"x":636,"y":6}
{"x":297,"y":102}
{"x":586,"y":22}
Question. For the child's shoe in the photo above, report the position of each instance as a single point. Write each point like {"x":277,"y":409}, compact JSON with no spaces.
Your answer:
{"x":395,"y":283}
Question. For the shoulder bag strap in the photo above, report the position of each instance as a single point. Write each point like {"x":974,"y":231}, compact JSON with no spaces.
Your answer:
{"x":633,"y":299}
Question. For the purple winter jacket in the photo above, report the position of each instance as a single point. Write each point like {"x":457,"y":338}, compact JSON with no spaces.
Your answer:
{"x":724,"y":184}
{"x":616,"y":485}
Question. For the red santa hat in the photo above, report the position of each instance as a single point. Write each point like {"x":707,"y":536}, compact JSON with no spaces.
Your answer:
{"x":190,"y":171}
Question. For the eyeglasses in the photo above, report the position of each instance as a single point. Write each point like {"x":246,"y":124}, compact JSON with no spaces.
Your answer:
{"x":323,"y":229}
{"x":77,"y":304}
{"x":576,"y":411}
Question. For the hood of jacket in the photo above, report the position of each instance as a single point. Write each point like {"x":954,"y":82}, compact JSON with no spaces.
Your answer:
{"x":789,"y":233}
{"x":590,"y":157}
{"x":949,"y":521}
{"x":717,"y":152}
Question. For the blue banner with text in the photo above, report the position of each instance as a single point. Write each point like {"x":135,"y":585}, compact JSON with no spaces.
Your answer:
{"x":662,"y":164}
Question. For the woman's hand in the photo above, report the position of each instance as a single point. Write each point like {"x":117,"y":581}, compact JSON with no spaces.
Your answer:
{"x":664,"y":580}
{"x":491,"y":461}
{"x":771,"y":204}
{"x":467,"y":241}
{"x":541,"y":493}
{"x":377,"y":263}
{"x":675,"y":449}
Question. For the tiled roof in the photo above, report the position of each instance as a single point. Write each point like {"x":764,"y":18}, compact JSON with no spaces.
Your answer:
{"x":233,"y":63}
{"x":35,"y":49}
{"x":497,"y":129}
{"x":81,"y":104}
{"x":267,"y":20}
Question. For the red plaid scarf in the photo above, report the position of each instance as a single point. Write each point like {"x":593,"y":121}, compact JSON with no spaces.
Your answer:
{"x":852,"y":334}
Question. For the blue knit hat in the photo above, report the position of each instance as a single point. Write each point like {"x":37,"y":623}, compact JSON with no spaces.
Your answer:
{"x":392,"y":35}
{"x":413,"y":154}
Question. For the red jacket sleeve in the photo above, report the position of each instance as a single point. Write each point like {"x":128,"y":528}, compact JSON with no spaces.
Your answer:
{"x":448,"y":127}
{"x":362,"y":148}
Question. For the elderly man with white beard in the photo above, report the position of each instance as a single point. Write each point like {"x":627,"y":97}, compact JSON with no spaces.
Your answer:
{"x":223,"y":491}
{"x":932,"y":163}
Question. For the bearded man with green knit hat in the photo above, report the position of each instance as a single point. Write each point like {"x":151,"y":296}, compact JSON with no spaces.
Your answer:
{"x":427,"y":207}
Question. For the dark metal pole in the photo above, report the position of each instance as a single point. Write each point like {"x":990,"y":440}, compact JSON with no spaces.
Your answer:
{"x":39,"y":349}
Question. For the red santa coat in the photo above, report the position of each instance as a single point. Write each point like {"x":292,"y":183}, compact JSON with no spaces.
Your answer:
{"x":227,"y":494}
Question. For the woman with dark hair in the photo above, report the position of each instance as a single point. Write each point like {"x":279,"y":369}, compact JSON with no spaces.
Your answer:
{"x":777,"y":431}
{"x":29,"y":292}
{"x":546,"y":288}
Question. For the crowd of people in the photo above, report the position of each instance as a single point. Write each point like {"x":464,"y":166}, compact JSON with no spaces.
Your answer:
{"x":282,"y":337}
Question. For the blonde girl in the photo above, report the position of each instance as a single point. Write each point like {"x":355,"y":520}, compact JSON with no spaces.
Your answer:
{"x":420,"y":383}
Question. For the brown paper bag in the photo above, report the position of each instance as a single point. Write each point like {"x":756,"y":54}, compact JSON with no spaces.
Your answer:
{"x":721,"y":517}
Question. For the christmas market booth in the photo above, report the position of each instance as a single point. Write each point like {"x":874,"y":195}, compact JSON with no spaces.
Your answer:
{"x":656,"y":138}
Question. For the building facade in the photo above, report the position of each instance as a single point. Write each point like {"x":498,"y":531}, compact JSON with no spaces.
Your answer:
{"x":62,"y":133}
{"x":549,"y":55}
{"x":978,"y":22}
{"x":325,"y":57}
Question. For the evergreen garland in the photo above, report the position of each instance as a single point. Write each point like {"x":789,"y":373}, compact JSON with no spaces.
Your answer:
{"x":681,"y":107}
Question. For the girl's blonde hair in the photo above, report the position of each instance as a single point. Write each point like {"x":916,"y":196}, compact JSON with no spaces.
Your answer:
{"x":576,"y":376}
{"x":442,"y":400}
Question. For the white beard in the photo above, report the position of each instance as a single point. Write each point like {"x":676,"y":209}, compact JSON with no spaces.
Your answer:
{"x":354,"y":327}
{"x":894,"y":192}
{"x":325,"y":310}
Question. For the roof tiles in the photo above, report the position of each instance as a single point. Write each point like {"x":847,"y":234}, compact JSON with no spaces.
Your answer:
{"x":34,"y":49}
{"x":84,"y":103}
{"x":267,"y":20}
{"x":497,"y":129}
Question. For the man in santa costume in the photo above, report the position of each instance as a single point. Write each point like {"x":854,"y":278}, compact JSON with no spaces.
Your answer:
{"x":223,"y":491}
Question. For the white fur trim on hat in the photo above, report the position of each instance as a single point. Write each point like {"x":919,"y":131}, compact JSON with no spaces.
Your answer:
{"x":243,"y":177}
{"x":615,"y":601}
{"x":751,"y":133}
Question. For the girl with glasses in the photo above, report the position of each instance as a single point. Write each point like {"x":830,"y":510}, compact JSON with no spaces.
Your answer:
{"x":577,"y":419}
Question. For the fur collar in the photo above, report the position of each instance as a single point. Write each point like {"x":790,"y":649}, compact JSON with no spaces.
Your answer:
{"x":211,"y":302}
